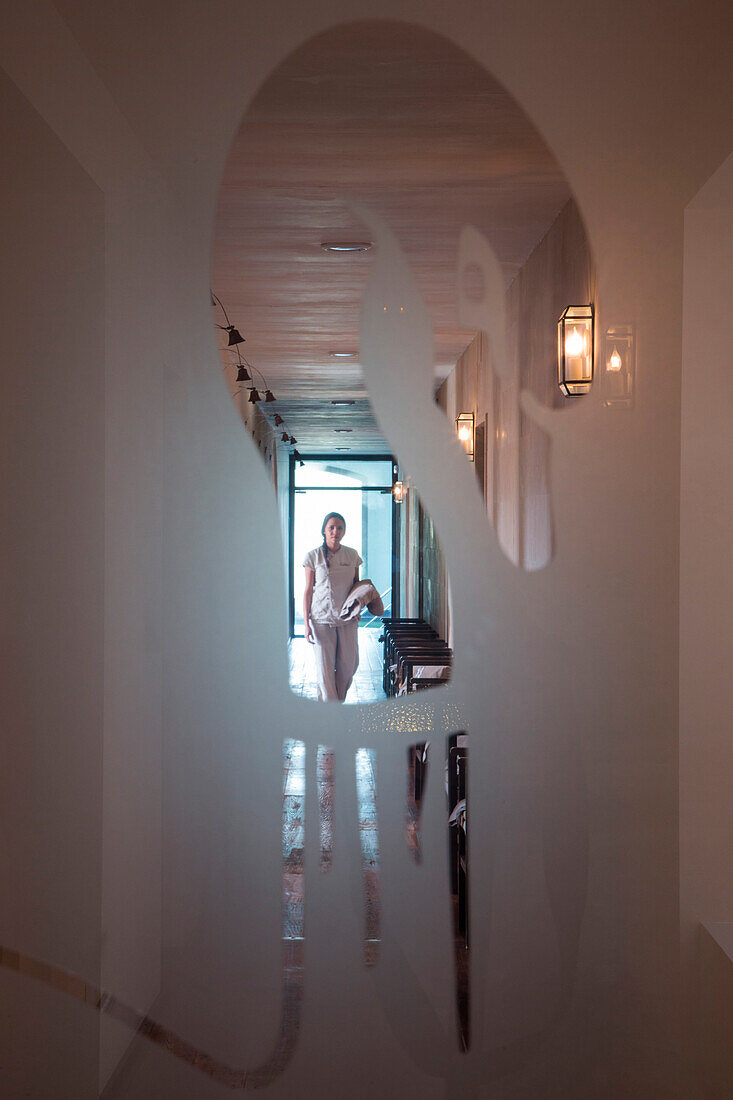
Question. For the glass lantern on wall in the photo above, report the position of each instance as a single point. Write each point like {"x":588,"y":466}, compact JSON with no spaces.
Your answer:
{"x":575,"y":350}
{"x":465,"y":432}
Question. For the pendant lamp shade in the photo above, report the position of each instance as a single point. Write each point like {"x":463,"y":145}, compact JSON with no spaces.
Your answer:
{"x":254,"y":396}
{"x":235,"y":336}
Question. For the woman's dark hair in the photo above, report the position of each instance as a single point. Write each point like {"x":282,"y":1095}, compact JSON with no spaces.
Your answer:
{"x":331,"y":515}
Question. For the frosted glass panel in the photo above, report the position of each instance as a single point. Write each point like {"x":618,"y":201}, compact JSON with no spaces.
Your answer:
{"x":210,"y":885}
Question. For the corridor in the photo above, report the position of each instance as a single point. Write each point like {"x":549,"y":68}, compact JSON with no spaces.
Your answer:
{"x":459,"y":275}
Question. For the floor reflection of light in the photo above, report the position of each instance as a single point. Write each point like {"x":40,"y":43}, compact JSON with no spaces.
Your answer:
{"x":293,"y":837}
{"x":366,"y":795}
{"x":324,"y":772}
{"x":367,"y":683}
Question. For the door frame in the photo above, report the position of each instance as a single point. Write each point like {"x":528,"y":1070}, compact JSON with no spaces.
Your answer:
{"x":339,"y":456}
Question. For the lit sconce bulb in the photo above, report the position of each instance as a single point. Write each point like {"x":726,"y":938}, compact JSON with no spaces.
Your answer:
{"x":614,"y":364}
{"x":575,"y":350}
{"x":574,"y":343}
{"x":464,"y":431}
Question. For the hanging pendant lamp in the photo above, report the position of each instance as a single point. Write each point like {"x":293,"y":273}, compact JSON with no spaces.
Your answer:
{"x":235,"y":336}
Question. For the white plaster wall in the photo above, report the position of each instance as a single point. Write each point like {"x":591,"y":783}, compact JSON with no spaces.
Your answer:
{"x":706,"y":552}
{"x":52,"y":598}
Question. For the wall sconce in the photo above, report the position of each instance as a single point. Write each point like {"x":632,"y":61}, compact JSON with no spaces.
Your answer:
{"x":575,"y":350}
{"x":464,"y":430}
{"x":618,"y":366}
{"x":398,"y":492}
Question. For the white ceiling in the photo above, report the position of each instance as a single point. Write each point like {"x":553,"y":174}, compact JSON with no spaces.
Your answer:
{"x":400,"y":120}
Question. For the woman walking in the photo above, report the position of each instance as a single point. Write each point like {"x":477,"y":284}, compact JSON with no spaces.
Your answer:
{"x":331,"y":571}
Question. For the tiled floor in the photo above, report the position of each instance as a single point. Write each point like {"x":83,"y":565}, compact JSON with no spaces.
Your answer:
{"x":294,"y":880}
{"x":293,"y":832}
{"x":367,"y":685}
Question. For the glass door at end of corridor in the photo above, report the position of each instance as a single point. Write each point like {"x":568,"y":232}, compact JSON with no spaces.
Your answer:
{"x":360,"y":488}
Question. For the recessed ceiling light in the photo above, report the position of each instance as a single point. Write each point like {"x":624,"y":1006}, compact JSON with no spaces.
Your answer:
{"x":343,"y":403}
{"x":343,"y":354}
{"x":346,"y":246}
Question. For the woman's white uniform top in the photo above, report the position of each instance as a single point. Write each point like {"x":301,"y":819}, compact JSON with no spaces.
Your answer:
{"x":332,"y":584}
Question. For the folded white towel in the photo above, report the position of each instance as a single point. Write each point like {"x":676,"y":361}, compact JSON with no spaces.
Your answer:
{"x":431,"y":672}
{"x":458,"y":817}
{"x":359,"y":597}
